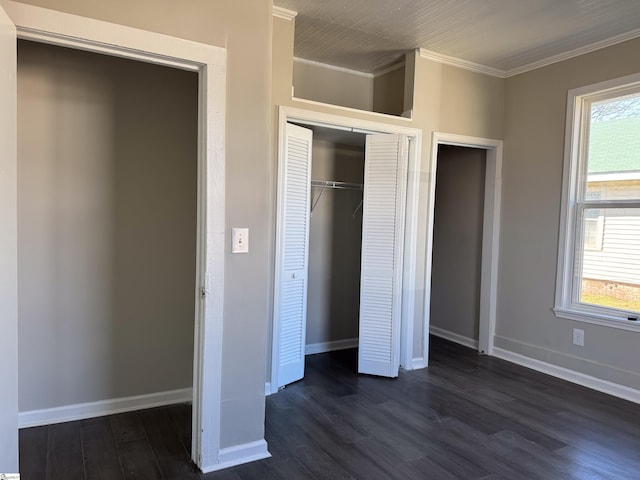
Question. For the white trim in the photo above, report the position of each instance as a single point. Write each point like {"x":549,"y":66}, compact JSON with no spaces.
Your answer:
{"x":412,"y":192}
{"x":613,"y":176}
{"x":348,"y":110}
{"x":418,"y":363}
{"x":80,"y":411}
{"x":74,"y":31}
{"x":267,"y":389}
{"x":453,"y":337}
{"x":284,"y":13}
{"x":604,"y":386}
{"x":460,"y":63}
{"x":323,"y":347}
{"x":596,"y":318}
{"x":411,"y":222}
{"x":332,"y":67}
{"x":490,"y":232}
{"x":389,"y":69}
{"x":239,"y":454}
{"x":592,"y":47}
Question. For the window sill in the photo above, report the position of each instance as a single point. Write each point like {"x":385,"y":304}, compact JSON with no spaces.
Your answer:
{"x":597,"y":318}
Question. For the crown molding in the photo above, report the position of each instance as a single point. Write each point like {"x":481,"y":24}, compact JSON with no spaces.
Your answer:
{"x":391,"y":68}
{"x":333,"y":67}
{"x":607,"y":42}
{"x":561,"y":57}
{"x":284,"y":13}
{"x":458,"y":62}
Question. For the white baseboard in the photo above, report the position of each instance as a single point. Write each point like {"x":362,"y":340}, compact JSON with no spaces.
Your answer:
{"x":80,"y":411}
{"x":323,"y":347}
{"x":604,"y":386}
{"x":238,"y":454}
{"x":418,"y":363}
{"x":454,"y":337}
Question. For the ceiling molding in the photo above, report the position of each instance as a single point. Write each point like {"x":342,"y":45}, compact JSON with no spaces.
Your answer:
{"x":333,"y":67}
{"x":607,"y":42}
{"x":284,"y":13}
{"x":391,"y":68}
{"x":458,"y":62}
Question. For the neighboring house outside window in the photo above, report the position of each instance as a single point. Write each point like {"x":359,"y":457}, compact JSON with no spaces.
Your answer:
{"x":599,"y":251}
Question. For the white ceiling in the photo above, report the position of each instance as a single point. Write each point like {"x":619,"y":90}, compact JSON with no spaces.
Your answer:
{"x":369,"y":35}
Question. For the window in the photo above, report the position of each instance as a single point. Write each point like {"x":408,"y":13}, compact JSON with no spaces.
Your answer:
{"x":593,"y":225}
{"x":599,"y":251}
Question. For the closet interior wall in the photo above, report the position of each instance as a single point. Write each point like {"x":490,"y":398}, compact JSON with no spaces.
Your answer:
{"x":457,"y":241}
{"x":335,"y":240}
{"x":107,"y":175}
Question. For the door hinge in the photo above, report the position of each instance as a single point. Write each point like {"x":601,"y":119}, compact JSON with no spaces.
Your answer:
{"x":203,"y":293}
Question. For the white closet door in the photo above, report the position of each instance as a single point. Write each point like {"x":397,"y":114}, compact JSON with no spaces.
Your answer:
{"x":8,"y":249}
{"x":292,"y":254}
{"x":382,"y":244}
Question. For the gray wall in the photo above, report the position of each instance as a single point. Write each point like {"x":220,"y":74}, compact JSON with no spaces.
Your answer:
{"x":388,"y":92}
{"x":532,"y":186}
{"x":457,"y":240}
{"x":107,"y":155}
{"x":315,"y":82}
{"x":335,"y":238}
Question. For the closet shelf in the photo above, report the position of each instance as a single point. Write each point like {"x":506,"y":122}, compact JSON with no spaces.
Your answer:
{"x":338,"y":185}
{"x":324,"y":184}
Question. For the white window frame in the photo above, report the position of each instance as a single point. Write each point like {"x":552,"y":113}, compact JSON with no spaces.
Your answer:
{"x":570,"y":245}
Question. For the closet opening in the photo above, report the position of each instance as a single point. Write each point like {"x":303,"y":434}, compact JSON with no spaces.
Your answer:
{"x":463,"y":230}
{"x":345,"y":243}
{"x":335,"y":239}
{"x":457,"y":244}
{"x":208,"y":63}
{"x":107,"y":229}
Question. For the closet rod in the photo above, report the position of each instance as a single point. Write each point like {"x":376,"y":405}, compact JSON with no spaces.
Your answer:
{"x":338,"y":185}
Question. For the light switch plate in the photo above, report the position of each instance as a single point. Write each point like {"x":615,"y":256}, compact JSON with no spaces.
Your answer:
{"x":239,"y":240}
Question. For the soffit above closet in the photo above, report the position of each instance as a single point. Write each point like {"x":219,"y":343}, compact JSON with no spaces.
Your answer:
{"x":369,"y":35}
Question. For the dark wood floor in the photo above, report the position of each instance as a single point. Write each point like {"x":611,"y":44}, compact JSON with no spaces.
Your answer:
{"x":465,"y":417}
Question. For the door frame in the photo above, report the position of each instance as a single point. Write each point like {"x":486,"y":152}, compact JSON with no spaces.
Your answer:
{"x":62,"y":29}
{"x":338,"y":122}
{"x":490,"y":235}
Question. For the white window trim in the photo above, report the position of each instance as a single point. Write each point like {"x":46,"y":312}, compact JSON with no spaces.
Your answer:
{"x":565,"y":304}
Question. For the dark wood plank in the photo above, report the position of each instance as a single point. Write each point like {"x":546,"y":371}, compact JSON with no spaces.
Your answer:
{"x":138,"y":461}
{"x":33,"y":453}
{"x":100,"y":455}
{"x":127,"y":427}
{"x":172,"y":457}
{"x":181,"y":418}
{"x":64,"y":452}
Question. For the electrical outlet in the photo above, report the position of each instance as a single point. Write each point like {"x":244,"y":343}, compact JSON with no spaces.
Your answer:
{"x":578,"y":337}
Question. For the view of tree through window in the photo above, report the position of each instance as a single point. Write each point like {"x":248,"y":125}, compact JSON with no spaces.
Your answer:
{"x":610,"y":208}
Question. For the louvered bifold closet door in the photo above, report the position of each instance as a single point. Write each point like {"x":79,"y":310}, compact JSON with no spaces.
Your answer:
{"x":382,"y":247}
{"x":292,"y":255}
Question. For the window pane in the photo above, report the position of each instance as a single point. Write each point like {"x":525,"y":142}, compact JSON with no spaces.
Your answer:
{"x":610,"y":274}
{"x":613,"y":159}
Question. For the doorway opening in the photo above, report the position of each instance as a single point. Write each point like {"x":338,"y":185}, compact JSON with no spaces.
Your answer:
{"x":335,"y":239}
{"x":381,"y":232}
{"x":457,"y":244}
{"x":465,"y":195}
{"x":208,"y":62}
{"x":107,"y":182}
